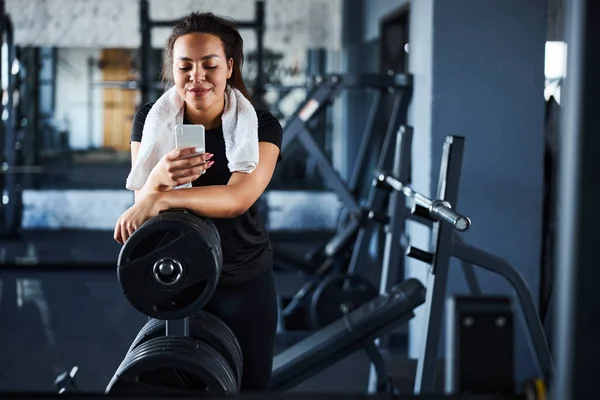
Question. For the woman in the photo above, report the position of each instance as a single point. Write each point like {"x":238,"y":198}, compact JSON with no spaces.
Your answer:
{"x":203,"y":56}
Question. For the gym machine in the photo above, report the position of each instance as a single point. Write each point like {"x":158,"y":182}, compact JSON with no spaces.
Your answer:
{"x":146,"y":78}
{"x":332,"y":287}
{"x":350,"y":331}
{"x":395,"y":89}
{"x":397,"y":215}
{"x":446,"y":245}
{"x":363,"y":207}
{"x":355,"y":331}
{"x":342,"y":299}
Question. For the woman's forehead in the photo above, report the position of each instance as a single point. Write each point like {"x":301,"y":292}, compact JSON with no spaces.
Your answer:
{"x":198,"y":45}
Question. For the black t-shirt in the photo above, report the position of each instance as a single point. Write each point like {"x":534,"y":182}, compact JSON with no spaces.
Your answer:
{"x":245,"y":242}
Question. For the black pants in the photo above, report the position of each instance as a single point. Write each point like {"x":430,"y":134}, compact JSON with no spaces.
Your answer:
{"x":250,"y":310}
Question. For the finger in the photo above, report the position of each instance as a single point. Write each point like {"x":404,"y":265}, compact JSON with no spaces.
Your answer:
{"x":130,"y":229}
{"x":118,"y":236}
{"x":202,"y":169}
{"x":124,"y":234}
{"x":185,"y":163}
{"x":187,"y":152}
{"x":173,"y":154}
{"x":179,"y":170}
{"x":195,"y":171}
{"x":180,"y":152}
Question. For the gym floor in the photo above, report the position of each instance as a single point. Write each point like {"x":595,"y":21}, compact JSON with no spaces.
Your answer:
{"x":45,"y":332}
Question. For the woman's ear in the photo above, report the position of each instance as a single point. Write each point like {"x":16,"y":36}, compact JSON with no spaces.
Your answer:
{"x":229,"y":68}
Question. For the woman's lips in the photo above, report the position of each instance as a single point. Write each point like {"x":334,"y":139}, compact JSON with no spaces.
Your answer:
{"x":198,"y":92}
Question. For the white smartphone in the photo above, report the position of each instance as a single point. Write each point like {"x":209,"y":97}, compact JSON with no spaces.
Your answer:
{"x":190,"y":136}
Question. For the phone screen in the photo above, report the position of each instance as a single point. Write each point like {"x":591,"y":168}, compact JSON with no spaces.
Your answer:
{"x":190,"y":136}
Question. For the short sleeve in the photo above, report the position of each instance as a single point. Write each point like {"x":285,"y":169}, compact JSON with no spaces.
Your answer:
{"x":269,"y":130}
{"x":137,"y":127}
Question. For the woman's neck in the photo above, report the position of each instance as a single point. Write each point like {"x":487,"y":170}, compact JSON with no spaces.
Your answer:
{"x":210,"y":117}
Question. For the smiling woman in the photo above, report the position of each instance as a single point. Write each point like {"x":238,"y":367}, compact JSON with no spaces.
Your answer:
{"x":203,"y":58}
{"x":200,"y":72}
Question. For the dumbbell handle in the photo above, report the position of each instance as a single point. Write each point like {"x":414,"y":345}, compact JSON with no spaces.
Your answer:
{"x":438,"y":209}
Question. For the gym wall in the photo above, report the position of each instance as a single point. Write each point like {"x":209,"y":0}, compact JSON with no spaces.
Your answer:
{"x":115,"y":23}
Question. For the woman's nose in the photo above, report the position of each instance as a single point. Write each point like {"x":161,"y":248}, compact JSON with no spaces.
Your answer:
{"x":198,"y":75}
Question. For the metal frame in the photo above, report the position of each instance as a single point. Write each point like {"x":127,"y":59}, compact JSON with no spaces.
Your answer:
{"x":393,"y":262}
{"x":324,"y":93}
{"x":146,"y":85}
{"x":577,"y":250}
{"x":364,"y":225}
{"x":398,"y":213}
{"x":362,"y":214}
{"x":445,"y":244}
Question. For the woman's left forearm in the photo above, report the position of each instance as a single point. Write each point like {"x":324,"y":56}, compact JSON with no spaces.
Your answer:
{"x":219,"y":201}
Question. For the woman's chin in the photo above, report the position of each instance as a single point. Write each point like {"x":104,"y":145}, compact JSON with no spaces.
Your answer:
{"x":199,"y":103}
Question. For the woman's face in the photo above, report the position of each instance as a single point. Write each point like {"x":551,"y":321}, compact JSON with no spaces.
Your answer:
{"x":201,"y":70}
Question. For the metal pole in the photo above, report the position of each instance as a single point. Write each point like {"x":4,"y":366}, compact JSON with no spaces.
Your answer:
{"x":259,"y":86}
{"x":577,"y":346}
{"x":91,"y":92}
{"x":2,"y":125}
{"x":144,"y":52}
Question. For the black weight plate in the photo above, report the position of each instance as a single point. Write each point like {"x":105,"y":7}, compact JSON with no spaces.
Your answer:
{"x":214,"y":363}
{"x":189,"y":241}
{"x":151,"y":329}
{"x":175,"y":364}
{"x":211,"y":233}
{"x":206,"y":327}
{"x":209,"y":372}
{"x":338,"y":295}
{"x":187,"y":347}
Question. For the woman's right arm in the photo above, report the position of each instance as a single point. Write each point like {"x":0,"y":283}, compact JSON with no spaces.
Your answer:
{"x":172,"y":170}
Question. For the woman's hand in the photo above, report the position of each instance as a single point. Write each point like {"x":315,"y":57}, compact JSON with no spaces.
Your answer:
{"x":177,"y":167}
{"x":144,"y":209}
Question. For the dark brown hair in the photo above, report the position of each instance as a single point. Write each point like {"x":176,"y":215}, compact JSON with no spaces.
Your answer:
{"x":225,"y":29}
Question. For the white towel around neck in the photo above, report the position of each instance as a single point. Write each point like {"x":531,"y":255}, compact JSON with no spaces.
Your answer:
{"x":240,"y":131}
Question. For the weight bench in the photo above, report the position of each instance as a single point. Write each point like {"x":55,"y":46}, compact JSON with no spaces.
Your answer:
{"x":355,"y":331}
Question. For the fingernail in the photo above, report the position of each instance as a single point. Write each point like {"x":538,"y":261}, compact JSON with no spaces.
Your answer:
{"x":210,"y":163}
{"x":209,"y":156}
